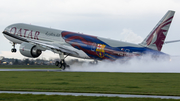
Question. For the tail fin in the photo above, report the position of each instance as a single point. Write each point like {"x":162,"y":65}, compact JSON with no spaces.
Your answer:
{"x":156,"y":38}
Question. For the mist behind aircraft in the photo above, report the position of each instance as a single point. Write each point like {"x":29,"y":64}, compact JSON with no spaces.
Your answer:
{"x":135,"y":65}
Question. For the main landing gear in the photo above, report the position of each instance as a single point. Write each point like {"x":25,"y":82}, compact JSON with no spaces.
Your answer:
{"x":13,"y":50}
{"x":62,"y":64}
{"x":95,"y":62}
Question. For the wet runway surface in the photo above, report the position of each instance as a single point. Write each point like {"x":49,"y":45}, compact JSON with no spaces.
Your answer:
{"x":48,"y":70}
{"x":92,"y":94}
{"x":79,"y":70}
{"x":45,"y":70}
{"x":40,"y":70}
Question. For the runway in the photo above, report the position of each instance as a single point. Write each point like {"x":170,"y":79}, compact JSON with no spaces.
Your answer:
{"x":93,"y":94}
{"x":45,"y":70}
{"x":35,"y":70}
{"x":79,"y":70}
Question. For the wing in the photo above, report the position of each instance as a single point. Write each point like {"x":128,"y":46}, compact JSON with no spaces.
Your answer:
{"x":166,"y":42}
{"x":55,"y":47}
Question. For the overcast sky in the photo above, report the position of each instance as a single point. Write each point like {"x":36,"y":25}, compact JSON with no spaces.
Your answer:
{"x":127,"y":20}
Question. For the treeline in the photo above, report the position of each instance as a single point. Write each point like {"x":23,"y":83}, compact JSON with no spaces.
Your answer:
{"x":27,"y":61}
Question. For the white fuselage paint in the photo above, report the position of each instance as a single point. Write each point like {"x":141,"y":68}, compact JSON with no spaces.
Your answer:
{"x":42,"y":34}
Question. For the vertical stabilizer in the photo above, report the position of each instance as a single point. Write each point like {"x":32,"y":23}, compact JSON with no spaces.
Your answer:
{"x":156,"y":38}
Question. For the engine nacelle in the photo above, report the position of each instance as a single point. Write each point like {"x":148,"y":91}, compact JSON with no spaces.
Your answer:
{"x":29,"y":50}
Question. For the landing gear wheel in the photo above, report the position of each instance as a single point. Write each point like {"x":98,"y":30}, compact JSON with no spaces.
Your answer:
{"x":62,"y":64}
{"x":63,"y":67}
{"x":67,"y":66}
{"x":57,"y":63}
{"x":13,"y":50}
{"x":95,"y":62}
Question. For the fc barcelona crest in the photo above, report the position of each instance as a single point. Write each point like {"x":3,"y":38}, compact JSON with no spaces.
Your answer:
{"x":100,"y":50}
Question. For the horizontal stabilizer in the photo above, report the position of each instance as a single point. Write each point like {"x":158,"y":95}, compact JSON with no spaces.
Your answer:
{"x":166,"y":42}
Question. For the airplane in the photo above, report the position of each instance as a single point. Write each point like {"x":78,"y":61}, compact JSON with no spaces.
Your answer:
{"x":35,"y":39}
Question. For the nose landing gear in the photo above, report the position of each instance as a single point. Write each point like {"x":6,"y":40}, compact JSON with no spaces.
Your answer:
{"x":13,"y":50}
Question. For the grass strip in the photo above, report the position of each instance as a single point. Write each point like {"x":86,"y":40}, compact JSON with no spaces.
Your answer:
{"x":115,"y":83}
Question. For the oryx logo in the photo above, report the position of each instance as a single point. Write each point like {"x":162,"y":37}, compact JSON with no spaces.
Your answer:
{"x":158,"y":36}
{"x":100,"y":50}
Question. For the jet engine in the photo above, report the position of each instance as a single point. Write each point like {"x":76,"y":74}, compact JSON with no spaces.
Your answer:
{"x":30,"y":50}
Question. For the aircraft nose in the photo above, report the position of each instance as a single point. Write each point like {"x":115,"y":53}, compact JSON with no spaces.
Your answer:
{"x":7,"y":29}
{"x":4,"y":31}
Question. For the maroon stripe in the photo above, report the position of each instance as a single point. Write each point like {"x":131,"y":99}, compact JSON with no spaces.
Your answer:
{"x":166,"y":24}
{"x":167,"y":19}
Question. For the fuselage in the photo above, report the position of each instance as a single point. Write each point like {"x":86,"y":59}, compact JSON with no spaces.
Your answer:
{"x":86,"y":46}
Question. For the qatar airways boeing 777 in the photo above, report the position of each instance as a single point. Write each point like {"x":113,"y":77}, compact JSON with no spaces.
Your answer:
{"x":34,"y":39}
